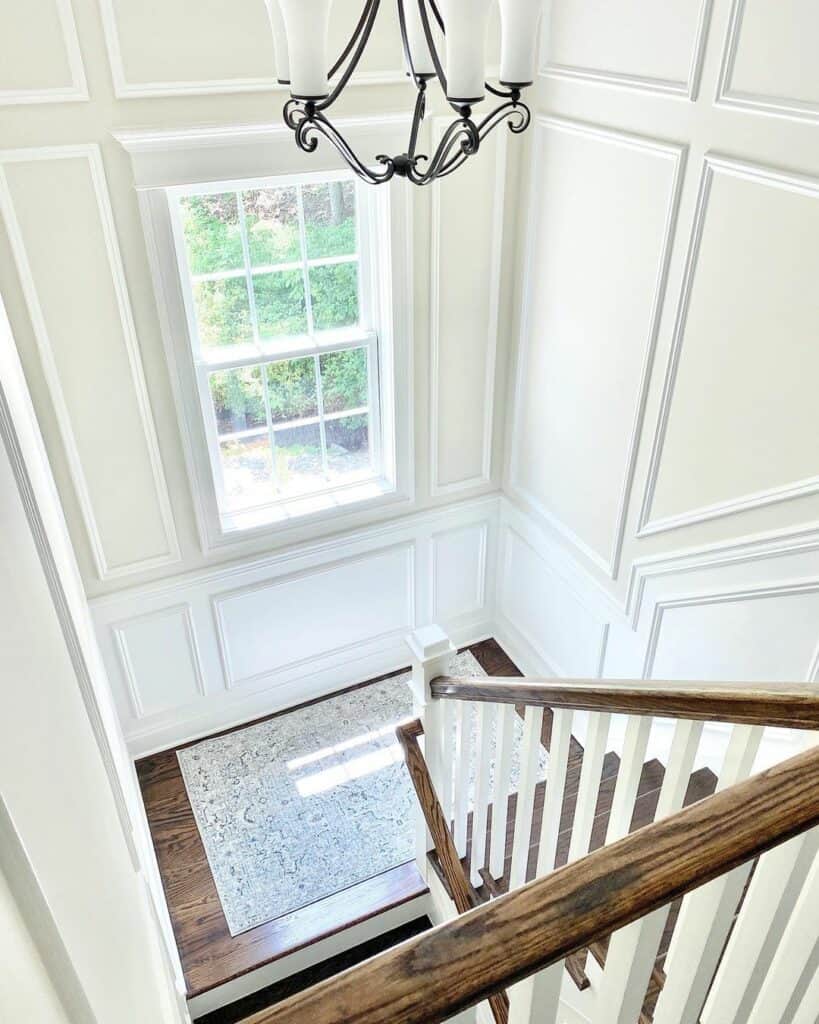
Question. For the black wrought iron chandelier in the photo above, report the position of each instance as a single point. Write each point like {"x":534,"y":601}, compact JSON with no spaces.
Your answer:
{"x":300,"y":37}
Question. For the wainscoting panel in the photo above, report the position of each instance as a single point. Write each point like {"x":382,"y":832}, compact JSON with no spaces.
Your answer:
{"x":538,"y":603}
{"x":296,"y":619}
{"x":40,"y":59}
{"x":458,"y":572}
{"x":160,"y":660}
{"x":769,"y":64}
{"x":204,"y":651}
{"x":58,"y":215}
{"x":602,"y":226}
{"x":634,"y":43}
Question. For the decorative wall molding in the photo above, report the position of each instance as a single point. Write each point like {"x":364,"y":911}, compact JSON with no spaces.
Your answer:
{"x":687,"y":89}
{"x":318,"y":575}
{"x":738,"y":551}
{"x":437,"y":539}
{"x":712,"y":163}
{"x":121,"y":640}
{"x":677,"y":154}
{"x":91,"y":153}
{"x":496,"y":252}
{"x":77,"y":90}
{"x":717,"y":596}
{"x":549,"y":570}
{"x":124,"y":89}
{"x":758,"y":103}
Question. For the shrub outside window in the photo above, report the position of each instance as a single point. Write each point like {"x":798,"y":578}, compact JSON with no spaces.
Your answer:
{"x":283,"y":336}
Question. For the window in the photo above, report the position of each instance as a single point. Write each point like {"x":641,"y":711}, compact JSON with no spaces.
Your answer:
{"x":282,"y":307}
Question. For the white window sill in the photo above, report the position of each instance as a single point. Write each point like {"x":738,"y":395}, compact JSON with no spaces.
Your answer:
{"x":308,"y":508}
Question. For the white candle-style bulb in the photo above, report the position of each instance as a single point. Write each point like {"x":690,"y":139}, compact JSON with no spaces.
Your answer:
{"x":520,"y":38}
{"x":416,"y":37}
{"x":274,"y":13}
{"x":465,"y":23}
{"x":307,"y":23}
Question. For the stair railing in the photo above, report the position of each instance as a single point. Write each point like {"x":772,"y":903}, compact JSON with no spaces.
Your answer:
{"x":740,"y":954}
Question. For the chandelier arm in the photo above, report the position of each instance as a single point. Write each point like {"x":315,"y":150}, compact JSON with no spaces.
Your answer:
{"x":464,"y":133}
{"x":417,"y":117}
{"x":517,"y":116}
{"x":437,"y":15}
{"x":308,"y":124}
{"x":352,"y":41}
{"x":362,"y":34}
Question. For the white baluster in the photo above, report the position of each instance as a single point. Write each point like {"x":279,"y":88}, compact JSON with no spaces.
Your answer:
{"x":778,"y":879}
{"x":541,"y":994}
{"x":707,"y":913}
{"x":463,"y":755}
{"x":559,"y":749}
{"x":483,"y":756}
{"x":431,"y":651}
{"x":806,"y":1012}
{"x":447,"y":757}
{"x":795,"y":952}
{"x":633,"y":950}
{"x":532,"y":726}
{"x":500,"y":788}
{"x":629,"y":774}
{"x":589,"y":788}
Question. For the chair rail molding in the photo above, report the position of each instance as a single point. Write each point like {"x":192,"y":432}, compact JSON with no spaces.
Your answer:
{"x":677,"y":154}
{"x":712,"y":164}
{"x":77,"y":89}
{"x":92,"y":155}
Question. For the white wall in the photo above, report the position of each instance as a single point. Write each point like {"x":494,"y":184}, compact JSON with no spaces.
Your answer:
{"x":33,"y":996}
{"x":663,"y":484}
{"x":67,"y":805}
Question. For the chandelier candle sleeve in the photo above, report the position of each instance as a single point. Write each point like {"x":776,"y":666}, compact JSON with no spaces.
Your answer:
{"x":417,"y":44}
{"x":520,"y":35}
{"x":466,"y":23}
{"x":307,"y":23}
{"x":274,"y":13}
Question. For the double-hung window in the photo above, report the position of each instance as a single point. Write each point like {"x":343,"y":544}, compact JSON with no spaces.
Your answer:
{"x":280,"y":285}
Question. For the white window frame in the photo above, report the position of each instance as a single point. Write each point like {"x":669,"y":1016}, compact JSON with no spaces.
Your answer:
{"x":313,"y":344}
{"x":164,"y":162}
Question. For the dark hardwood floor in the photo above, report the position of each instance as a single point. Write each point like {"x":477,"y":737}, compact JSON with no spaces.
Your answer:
{"x":211,"y":956}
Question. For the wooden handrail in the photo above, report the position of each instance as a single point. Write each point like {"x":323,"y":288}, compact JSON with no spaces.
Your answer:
{"x":466,"y":960}
{"x":463,"y":894}
{"x":789,"y":705}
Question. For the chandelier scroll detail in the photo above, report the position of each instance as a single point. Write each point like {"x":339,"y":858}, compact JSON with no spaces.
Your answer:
{"x":300,"y":37}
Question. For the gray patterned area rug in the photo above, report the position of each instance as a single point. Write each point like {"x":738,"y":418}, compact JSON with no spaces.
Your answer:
{"x":309,"y":803}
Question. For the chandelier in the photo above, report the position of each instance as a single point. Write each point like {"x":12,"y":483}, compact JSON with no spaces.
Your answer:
{"x":300,"y":39}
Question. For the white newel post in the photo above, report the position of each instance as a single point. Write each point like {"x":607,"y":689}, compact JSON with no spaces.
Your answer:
{"x":431,"y":650}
